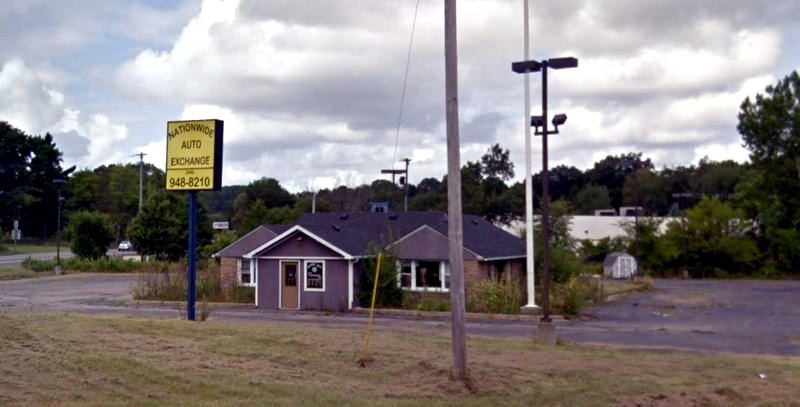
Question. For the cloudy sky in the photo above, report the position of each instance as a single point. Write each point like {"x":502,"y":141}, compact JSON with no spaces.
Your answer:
{"x":310,"y":90}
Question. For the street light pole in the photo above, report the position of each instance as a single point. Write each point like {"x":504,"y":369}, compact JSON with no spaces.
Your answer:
{"x":547,"y":330}
{"x":59,"y":183}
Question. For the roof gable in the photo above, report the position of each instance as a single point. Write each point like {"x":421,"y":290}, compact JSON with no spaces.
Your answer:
{"x":249,"y":241}
{"x":291,"y":232}
{"x":425,"y":243}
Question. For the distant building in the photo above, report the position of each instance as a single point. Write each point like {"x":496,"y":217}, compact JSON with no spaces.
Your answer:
{"x":605,"y":212}
{"x":595,"y":228}
{"x":631,"y":211}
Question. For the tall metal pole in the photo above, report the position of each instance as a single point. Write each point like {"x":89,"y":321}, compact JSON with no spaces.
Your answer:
{"x":529,"y":253}
{"x":545,"y":205}
{"x":191,"y":275}
{"x":405,"y":192}
{"x":454,"y":225}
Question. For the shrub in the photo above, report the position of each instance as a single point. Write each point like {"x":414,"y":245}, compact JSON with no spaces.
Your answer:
{"x":38,"y":265}
{"x":425,"y":301}
{"x":90,"y":234}
{"x":110,"y":264}
{"x":571,"y":297}
{"x":171,"y":284}
{"x":496,"y":297}
{"x":388,"y":294}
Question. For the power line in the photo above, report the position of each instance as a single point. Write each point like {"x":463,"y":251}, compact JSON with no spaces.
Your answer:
{"x":405,"y":81}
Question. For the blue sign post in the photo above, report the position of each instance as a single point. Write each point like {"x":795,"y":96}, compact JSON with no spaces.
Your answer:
{"x":192,"y":274}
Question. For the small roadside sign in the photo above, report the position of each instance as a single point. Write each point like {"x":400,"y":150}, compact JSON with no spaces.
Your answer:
{"x":220,"y":225}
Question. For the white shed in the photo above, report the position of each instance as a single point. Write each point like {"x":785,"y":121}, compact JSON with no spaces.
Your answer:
{"x":619,"y":265}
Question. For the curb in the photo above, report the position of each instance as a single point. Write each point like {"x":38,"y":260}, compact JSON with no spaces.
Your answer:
{"x":467,"y":315}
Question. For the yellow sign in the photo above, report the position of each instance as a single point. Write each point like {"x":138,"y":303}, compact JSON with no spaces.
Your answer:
{"x":194,"y":155}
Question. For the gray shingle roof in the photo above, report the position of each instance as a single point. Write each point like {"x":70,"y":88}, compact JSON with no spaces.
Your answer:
{"x":252,"y":240}
{"x":353,"y":232}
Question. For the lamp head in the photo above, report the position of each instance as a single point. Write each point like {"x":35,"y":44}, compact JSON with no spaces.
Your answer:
{"x":559,"y":119}
{"x":537,"y":121}
{"x":560,"y":63}
{"x":526,"y":66}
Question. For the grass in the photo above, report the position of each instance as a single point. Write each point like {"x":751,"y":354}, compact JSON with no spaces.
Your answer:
{"x":100,"y":360}
{"x":614,"y":287}
{"x":29,"y":249}
{"x":16,"y":272}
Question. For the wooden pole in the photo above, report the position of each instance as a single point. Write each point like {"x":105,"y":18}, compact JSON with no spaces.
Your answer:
{"x":455,"y":226}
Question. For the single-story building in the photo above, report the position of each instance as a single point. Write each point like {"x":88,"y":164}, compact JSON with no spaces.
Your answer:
{"x":619,"y":265}
{"x":315,"y":263}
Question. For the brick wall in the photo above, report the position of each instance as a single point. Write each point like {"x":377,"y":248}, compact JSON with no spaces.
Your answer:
{"x":227,"y":273}
{"x":474,"y":273}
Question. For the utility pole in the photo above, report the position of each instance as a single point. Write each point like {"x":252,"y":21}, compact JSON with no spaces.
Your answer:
{"x":405,"y":192}
{"x":454,"y":222}
{"x":141,"y":177}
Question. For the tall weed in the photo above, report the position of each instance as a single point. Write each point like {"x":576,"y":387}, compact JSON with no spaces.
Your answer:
{"x":496,"y":297}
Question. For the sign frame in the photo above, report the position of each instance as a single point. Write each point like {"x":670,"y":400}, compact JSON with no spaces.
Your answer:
{"x":191,"y":171}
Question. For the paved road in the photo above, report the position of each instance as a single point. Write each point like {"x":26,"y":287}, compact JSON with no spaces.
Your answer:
{"x":761,"y":317}
{"x":13,"y":259}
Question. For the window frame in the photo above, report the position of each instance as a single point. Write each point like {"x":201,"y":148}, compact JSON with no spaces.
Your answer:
{"x":444,"y":271}
{"x":250,"y":271}
{"x":305,"y":275}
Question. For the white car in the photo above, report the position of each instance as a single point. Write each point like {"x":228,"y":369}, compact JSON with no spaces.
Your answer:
{"x":125,"y":246}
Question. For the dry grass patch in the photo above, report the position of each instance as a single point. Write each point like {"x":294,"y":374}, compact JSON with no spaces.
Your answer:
{"x":87,"y":360}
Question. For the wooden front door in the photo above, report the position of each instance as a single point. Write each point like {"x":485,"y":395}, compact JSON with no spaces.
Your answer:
{"x":289,"y":284}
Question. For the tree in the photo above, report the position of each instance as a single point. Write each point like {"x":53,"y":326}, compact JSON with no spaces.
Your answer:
{"x":28,"y":165}
{"x":162,"y":227}
{"x":90,"y":234}
{"x":718,"y":241}
{"x":496,"y":163}
{"x":267,"y":190}
{"x":612,"y":171}
{"x":655,"y":254}
{"x":770,"y":129}
{"x":654,"y":194}
{"x":592,"y":197}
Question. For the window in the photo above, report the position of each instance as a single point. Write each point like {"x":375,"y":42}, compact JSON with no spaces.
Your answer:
{"x":315,"y":275}
{"x":419,"y":275}
{"x":245,"y":271}
{"x":428,"y":274}
{"x":405,"y":274}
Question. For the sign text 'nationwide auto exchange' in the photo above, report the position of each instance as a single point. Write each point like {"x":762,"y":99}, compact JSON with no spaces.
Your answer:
{"x":194,"y":155}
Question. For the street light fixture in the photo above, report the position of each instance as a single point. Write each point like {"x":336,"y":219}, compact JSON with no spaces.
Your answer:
{"x":540,"y":123}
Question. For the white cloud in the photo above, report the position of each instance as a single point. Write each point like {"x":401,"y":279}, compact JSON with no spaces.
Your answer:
{"x":313,"y":95}
{"x":25,"y":101}
{"x":30,"y":104}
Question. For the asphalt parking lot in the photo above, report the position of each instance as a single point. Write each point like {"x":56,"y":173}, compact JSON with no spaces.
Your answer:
{"x":725,"y":316}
